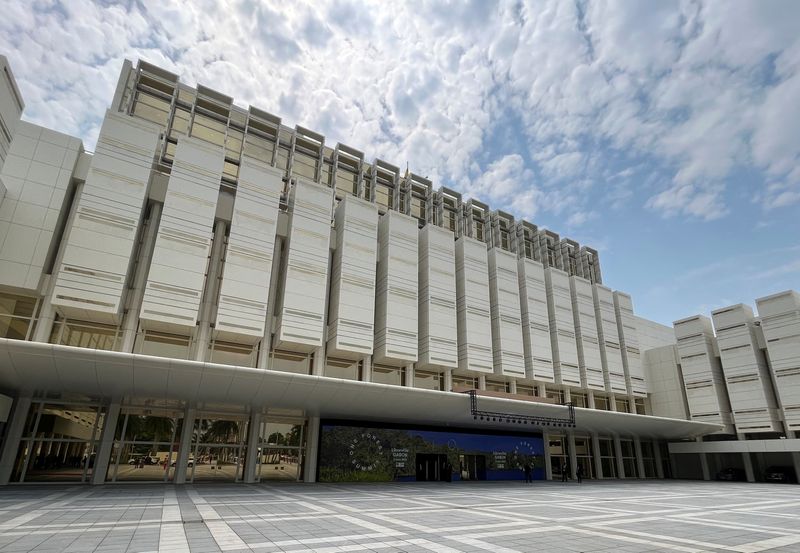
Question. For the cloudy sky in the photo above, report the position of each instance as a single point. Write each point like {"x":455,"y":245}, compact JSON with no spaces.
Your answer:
{"x":665,"y":134}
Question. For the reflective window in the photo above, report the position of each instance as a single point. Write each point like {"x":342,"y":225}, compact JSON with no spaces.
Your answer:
{"x":629,"y":459}
{"x":60,"y":442}
{"x":389,"y":375}
{"x":343,"y":368}
{"x":209,"y":129}
{"x":418,"y":208}
{"x":557,"y":395}
{"x":601,"y":402}
{"x":579,"y":400}
{"x":145,"y":445}
{"x":233,"y":144}
{"x":640,"y":406}
{"x":524,"y":390}
{"x":623,"y":406}
{"x":464,"y":383}
{"x":608,"y":458}
{"x":16,"y":315}
{"x":384,"y":196}
{"x":304,"y":164}
{"x":288,"y":361}
{"x":282,"y":450}
{"x":180,"y":123}
{"x":528,"y":247}
{"x":583,"y":455}
{"x":162,"y":345}
{"x":449,"y":221}
{"x":648,"y":459}
{"x":559,"y":455}
{"x":259,"y":147}
{"x":428,"y":380}
{"x":479,"y":231}
{"x":346,"y":183}
{"x":229,"y":353}
{"x":495,"y":386}
{"x":153,"y":108}
{"x":85,"y":334}
{"x":218,"y":449}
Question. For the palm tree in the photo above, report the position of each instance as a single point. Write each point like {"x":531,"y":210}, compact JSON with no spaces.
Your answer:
{"x":222,"y":431}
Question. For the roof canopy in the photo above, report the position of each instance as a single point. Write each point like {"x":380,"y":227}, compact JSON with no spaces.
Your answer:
{"x":35,"y":366}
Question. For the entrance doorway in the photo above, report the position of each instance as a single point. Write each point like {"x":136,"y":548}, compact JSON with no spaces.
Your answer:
{"x":473,"y":467}
{"x":431,"y":467}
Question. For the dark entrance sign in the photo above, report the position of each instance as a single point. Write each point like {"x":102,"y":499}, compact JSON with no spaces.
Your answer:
{"x":351,"y":452}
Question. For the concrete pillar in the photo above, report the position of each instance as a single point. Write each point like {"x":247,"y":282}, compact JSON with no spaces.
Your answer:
{"x":567,"y":395}
{"x":512,"y":386}
{"x":548,"y":465}
{"x":47,"y":313}
{"x":448,"y":380}
{"x":542,"y":389}
{"x":106,"y":443}
{"x":133,"y":303}
{"x":266,"y":341}
{"x":618,"y":455}
{"x":598,"y":462}
{"x":253,"y":443}
{"x":704,"y":466}
{"x":213,"y":278}
{"x":748,"y":467}
{"x":612,"y":402}
{"x":410,"y":375}
{"x":184,"y":449}
{"x":14,"y":431}
{"x":481,"y":382}
{"x":659,"y":461}
{"x":573,"y":456}
{"x":312,"y":450}
{"x":318,"y":364}
{"x":590,"y":399}
{"x":637,"y":446}
{"x":366,"y":365}
{"x":796,"y":461}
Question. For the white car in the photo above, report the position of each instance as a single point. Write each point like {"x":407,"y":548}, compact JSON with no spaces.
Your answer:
{"x":189,"y":463}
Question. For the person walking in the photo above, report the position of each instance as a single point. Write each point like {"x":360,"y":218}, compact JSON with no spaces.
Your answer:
{"x":564,"y":473}
{"x":528,"y":474}
{"x":579,"y":474}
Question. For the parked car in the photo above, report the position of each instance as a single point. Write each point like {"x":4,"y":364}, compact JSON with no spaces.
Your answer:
{"x":189,"y":463}
{"x":145,"y":460}
{"x":732,"y":474}
{"x":780,"y":474}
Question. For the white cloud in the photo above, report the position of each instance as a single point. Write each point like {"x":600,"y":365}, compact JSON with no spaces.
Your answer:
{"x":687,"y":92}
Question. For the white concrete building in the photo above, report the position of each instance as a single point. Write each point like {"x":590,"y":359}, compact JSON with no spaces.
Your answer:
{"x":745,"y":376}
{"x":212,"y":295}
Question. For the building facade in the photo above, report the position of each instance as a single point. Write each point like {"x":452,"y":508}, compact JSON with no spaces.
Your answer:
{"x":742,"y":372}
{"x":212,"y":295}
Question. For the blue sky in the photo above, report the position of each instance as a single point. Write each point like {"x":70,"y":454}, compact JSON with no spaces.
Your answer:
{"x":664,"y":134}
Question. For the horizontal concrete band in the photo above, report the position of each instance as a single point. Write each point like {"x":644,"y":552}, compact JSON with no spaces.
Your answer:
{"x":736,"y":446}
{"x":26,"y":367}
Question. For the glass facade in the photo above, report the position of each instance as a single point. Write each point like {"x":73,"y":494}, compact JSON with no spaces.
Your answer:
{"x":16,"y":316}
{"x":59,"y":443}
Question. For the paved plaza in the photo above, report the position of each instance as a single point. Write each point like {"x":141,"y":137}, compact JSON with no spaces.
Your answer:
{"x":497,"y":517}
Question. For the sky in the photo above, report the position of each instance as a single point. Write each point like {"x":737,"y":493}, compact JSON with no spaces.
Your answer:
{"x":664,"y":134}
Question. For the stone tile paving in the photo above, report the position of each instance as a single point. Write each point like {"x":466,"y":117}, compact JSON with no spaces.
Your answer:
{"x":610,"y":516}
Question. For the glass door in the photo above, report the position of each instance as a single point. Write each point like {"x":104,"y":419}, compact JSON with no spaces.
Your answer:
{"x":281,"y":450}
{"x":145,"y":445}
{"x":59,"y":443}
{"x":218,"y":449}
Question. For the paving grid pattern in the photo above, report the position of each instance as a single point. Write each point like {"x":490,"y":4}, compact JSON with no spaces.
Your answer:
{"x":500,"y":517}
